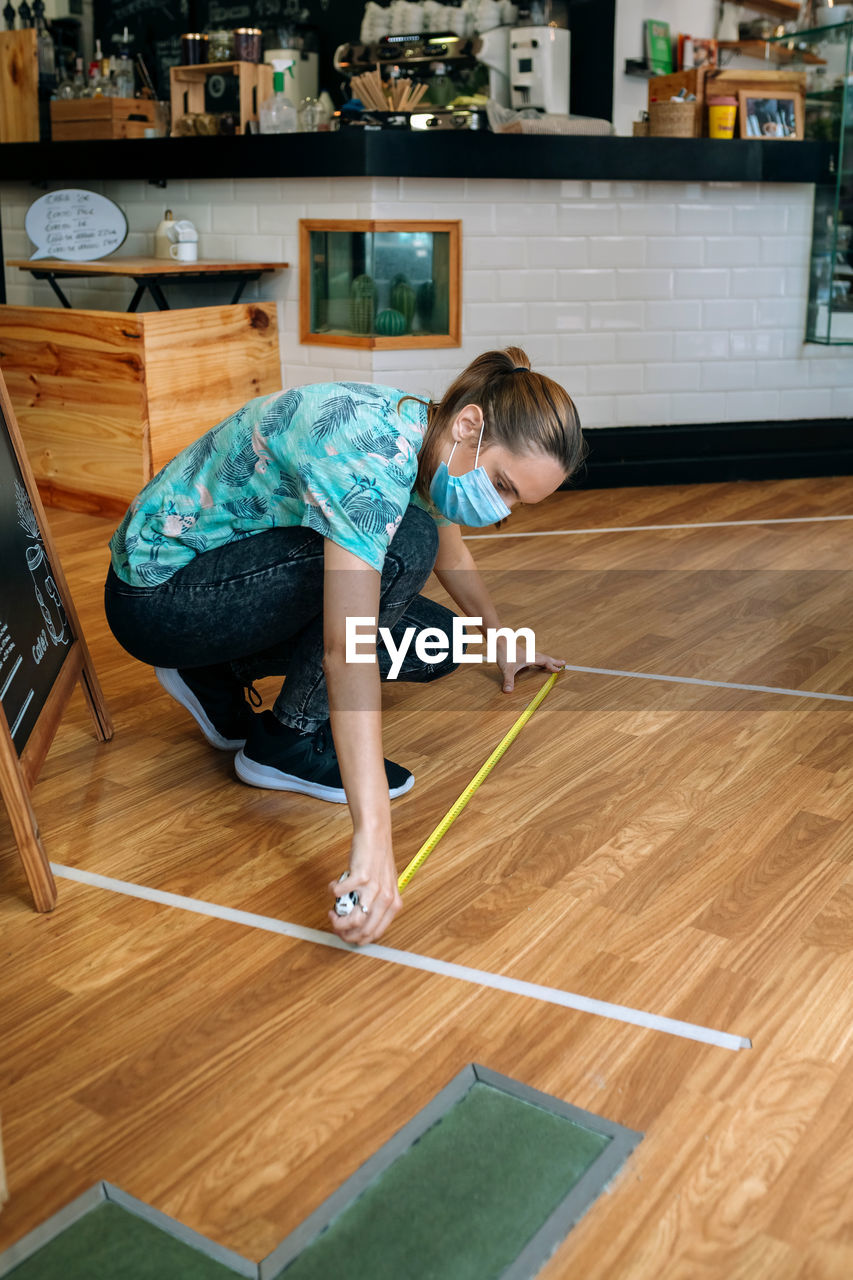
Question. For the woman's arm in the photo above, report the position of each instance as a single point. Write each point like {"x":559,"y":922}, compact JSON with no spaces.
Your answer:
{"x":351,"y":589}
{"x":458,"y":574}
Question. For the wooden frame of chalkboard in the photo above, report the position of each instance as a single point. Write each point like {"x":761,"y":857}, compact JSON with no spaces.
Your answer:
{"x":42,"y":651}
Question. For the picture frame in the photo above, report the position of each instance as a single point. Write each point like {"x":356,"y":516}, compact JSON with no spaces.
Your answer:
{"x":771,"y":116}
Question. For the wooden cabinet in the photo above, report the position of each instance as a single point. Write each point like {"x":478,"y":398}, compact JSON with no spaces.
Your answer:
{"x":104,"y":399}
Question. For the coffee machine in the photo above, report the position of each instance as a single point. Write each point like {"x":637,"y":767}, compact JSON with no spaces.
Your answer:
{"x":539,"y":68}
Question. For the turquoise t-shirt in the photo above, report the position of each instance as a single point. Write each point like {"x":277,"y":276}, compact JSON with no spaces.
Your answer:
{"x":340,"y":458}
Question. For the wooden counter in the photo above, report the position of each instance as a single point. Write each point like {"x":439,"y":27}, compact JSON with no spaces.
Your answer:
{"x":105,"y":398}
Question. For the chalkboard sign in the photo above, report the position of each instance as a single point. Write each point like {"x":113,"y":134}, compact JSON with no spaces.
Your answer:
{"x":42,"y":651}
{"x":75,"y":225}
{"x":34,"y":631}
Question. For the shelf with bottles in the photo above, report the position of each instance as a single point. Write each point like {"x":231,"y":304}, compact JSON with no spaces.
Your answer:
{"x":212,"y":90}
{"x":829,"y":118}
{"x":379,"y":285}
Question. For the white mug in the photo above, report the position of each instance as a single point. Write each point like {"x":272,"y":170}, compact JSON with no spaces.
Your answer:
{"x":184,"y":251}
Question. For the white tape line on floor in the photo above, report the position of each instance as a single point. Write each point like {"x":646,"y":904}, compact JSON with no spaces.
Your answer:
{"x":646,"y":528}
{"x":411,"y":960}
{"x":711,"y":684}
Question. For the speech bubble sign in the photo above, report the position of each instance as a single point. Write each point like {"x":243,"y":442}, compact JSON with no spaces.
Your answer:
{"x":75,"y":225}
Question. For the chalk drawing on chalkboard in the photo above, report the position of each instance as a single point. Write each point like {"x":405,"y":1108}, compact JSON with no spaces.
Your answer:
{"x":75,"y":226}
{"x":53,"y":613}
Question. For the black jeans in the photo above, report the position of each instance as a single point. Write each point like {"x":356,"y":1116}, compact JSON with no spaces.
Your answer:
{"x":257,"y":605}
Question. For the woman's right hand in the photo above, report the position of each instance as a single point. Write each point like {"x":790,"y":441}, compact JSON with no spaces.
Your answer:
{"x":373,"y":876}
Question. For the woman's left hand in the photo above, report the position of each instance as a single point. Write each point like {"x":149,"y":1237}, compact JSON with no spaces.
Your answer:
{"x":509,"y":670}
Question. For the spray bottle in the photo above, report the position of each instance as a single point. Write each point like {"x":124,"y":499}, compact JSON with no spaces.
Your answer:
{"x":278,"y":114}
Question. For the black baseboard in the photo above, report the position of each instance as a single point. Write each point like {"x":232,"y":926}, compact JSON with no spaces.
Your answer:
{"x":699,"y":453}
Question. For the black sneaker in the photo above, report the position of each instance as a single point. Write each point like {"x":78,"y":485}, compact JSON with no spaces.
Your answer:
{"x":283,"y":759}
{"x":215,"y":699}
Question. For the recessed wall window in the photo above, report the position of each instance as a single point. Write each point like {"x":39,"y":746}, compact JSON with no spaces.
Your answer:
{"x":379,"y":284}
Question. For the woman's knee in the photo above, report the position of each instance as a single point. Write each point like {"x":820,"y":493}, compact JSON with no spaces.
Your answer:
{"x":414,"y":547}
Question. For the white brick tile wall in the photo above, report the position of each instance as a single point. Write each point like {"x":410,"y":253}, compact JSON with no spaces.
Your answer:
{"x":618,"y":379}
{"x":676,"y":316}
{"x":645,"y":347}
{"x":616,"y":316}
{"x":703,"y":282}
{"x":718,"y":313}
{"x":586,"y":285}
{"x":534,"y":286}
{"x":632,"y":409}
{"x":728,"y":375}
{"x":674,"y":377}
{"x":651,"y":302}
{"x":676,"y":251}
{"x":752,"y":406}
{"x":617,"y":251}
{"x":644,"y":220}
{"x":559,"y":252}
{"x":702,"y":345}
{"x":703,"y":220}
{"x":587,"y":220}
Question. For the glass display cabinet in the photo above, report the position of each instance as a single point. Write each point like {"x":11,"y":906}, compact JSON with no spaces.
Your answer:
{"x":379,"y":284}
{"x":829,"y":118}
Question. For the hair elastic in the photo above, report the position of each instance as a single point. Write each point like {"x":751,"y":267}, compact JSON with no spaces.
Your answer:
{"x":521,"y":368}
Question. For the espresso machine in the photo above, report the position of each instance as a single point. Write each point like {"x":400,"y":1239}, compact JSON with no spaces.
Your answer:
{"x":539,"y":69}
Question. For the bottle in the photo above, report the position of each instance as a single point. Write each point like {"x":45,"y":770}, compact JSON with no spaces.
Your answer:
{"x":161,"y":236}
{"x":65,"y":88}
{"x":124,"y":69}
{"x":278,"y":114}
{"x":78,"y":84}
{"x":47,"y":70}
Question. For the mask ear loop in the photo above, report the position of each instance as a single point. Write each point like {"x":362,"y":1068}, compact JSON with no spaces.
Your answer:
{"x":479,"y":442}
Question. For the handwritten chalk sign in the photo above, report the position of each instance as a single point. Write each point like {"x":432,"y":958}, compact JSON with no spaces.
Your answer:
{"x":43,"y":654}
{"x":75,"y":225}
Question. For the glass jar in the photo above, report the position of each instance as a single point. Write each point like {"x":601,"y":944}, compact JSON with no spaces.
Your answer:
{"x":247,"y":44}
{"x":194,"y":48}
{"x":220,"y":47}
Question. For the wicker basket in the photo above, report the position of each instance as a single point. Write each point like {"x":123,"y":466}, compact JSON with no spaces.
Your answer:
{"x":675,"y":119}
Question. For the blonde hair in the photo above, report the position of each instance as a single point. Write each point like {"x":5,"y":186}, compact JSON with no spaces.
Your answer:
{"x":526,"y":412}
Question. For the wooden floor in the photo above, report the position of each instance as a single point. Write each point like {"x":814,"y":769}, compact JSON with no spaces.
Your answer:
{"x":682,"y":849}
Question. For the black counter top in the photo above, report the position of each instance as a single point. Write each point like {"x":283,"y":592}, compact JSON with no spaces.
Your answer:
{"x":391,"y":153}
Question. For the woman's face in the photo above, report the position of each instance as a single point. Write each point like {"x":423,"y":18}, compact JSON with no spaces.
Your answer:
{"x":518,"y":477}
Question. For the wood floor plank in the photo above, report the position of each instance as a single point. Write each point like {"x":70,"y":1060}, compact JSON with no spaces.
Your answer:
{"x":675,"y":848}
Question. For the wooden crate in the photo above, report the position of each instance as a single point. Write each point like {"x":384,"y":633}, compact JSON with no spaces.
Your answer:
{"x":710,"y":82}
{"x":19,"y":80}
{"x":98,"y":118}
{"x":187,"y":84}
{"x":104,"y":399}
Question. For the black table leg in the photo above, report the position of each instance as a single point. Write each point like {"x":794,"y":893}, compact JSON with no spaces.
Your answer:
{"x":52,"y":281}
{"x":157,"y":294}
{"x":137,"y":297}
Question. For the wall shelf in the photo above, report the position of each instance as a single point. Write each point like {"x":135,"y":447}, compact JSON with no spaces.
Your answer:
{"x":787,"y":10}
{"x":771,"y":52}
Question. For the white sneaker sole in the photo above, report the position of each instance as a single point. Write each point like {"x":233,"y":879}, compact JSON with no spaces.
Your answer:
{"x":272,"y":779}
{"x":182,"y":693}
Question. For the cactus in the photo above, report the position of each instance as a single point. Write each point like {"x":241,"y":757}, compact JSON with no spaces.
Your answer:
{"x":362,"y":304}
{"x":403,"y":298}
{"x":425,"y":303}
{"x":390,"y":322}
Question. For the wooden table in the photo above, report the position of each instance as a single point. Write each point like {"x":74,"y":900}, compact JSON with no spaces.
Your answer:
{"x":147,"y":273}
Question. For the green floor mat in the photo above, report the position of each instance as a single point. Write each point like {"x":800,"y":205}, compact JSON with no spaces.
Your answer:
{"x":111,"y":1244}
{"x":481,"y":1184}
{"x":463,"y":1201}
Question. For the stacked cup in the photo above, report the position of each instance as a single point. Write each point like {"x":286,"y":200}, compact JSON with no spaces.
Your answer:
{"x":184,"y":241}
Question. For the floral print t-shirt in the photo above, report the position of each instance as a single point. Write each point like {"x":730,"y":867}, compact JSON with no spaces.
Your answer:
{"x":340,"y":458}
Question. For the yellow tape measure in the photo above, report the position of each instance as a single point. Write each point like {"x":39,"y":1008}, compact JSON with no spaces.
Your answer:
{"x":456,"y":808}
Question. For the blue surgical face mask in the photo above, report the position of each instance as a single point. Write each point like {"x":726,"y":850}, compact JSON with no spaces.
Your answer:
{"x":470,"y":498}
